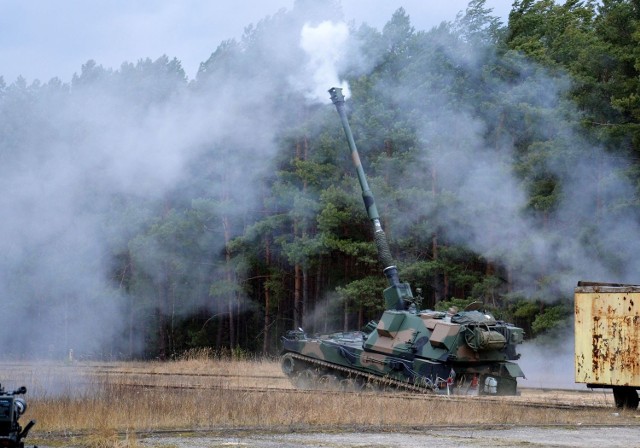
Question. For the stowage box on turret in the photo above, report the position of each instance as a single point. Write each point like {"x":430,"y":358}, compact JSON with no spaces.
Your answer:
{"x":468,"y":352}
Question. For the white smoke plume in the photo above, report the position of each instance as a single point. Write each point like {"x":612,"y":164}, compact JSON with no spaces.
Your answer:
{"x":549,"y":362}
{"x":135,"y":138}
{"x":586,"y":237}
{"x":325,"y":46}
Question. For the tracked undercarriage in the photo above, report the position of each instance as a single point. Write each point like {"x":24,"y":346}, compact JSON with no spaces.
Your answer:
{"x":308,"y":373}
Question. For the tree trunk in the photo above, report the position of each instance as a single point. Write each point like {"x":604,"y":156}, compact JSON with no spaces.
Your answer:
{"x":305,"y":269}
{"x":445,"y":291}
{"x":161,"y":320}
{"x":132,"y":319}
{"x":490,"y":271}
{"x":267,"y":298}
{"x":305,"y":295}
{"x":317,"y":292}
{"x":345,"y":325}
{"x":297,"y":302}
{"x":219,"y":327}
{"x":229,"y":279}
{"x":435,"y":248}
{"x":300,"y":270}
{"x":163,"y":298}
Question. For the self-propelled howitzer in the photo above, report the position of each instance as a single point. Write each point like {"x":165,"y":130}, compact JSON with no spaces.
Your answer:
{"x":466,"y":352}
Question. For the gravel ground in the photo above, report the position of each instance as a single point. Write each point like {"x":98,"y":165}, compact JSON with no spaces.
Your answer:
{"x":623,"y":436}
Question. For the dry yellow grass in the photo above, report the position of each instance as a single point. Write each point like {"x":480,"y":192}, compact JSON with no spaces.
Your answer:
{"x":120,"y":408}
{"x":103,"y":401}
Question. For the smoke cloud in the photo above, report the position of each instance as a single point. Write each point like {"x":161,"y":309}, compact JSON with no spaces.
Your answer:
{"x":489,"y":207}
{"x":85,"y":167}
{"x":549,"y":363}
{"x":325,"y":46}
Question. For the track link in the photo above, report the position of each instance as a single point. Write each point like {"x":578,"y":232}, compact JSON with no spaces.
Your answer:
{"x":384,"y":382}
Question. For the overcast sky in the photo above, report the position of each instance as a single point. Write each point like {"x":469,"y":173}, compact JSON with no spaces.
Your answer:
{"x":42,"y":39}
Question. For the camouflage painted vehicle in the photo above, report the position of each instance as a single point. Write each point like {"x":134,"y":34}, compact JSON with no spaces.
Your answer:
{"x":459,"y":352}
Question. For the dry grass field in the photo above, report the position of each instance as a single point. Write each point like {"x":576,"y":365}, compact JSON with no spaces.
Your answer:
{"x":110,"y":404}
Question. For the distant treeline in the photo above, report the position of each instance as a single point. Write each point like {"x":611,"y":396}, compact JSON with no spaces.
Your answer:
{"x":146,"y":214}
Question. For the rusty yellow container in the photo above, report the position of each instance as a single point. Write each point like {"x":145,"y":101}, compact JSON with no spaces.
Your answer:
{"x":607,"y":334}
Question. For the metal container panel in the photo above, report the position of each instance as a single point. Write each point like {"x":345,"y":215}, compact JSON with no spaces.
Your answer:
{"x":607,"y":335}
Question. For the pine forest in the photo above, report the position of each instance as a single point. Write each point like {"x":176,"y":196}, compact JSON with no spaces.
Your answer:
{"x":147,"y":214}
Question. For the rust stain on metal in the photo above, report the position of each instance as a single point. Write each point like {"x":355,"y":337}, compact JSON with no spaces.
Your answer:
{"x":607,"y":331}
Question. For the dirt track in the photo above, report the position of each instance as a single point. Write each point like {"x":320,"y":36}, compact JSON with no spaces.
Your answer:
{"x":624,"y":436}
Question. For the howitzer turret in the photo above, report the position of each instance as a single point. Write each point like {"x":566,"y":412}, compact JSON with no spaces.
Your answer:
{"x":459,"y":352}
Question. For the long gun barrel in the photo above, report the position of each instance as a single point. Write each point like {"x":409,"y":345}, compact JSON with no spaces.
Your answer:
{"x":398,"y":295}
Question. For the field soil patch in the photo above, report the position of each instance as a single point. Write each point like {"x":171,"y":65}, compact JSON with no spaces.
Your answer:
{"x":427,"y":437}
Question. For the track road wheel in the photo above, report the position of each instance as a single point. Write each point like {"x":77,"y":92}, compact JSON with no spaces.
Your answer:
{"x":350,"y":385}
{"x":306,"y":379}
{"x":328,"y":381}
{"x":369,"y":386}
{"x":626,"y":397}
{"x":288,"y":364}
